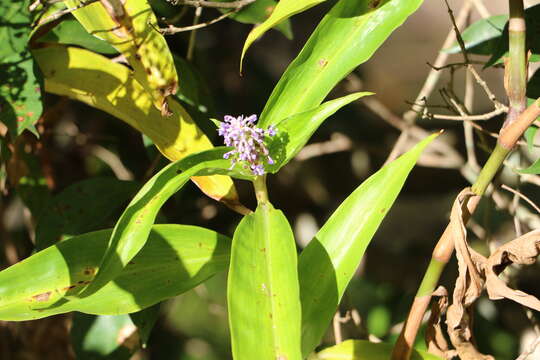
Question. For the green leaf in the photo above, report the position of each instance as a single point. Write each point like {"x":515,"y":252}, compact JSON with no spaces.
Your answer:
{"x":97,"y":337}
{"x":20,"y":91}
{"x":82,"y":207}
{"x":532,"y":16}
{"x":530,"y":134}
{"x":71,"y":32}
{"x":533,"y":169}
{"x":283,"y":10}
{"x":328,"y":263}
{"x":175,"y":259}
{"x":257,"y":12}
{"x":481,"y":37}
{"x":133,"y":226}
{"x":346,"y":37}
{"x":295,"y":131}
{"x":145,"y":321}
{"x":365,"y":350}
{"x":262,"y":290}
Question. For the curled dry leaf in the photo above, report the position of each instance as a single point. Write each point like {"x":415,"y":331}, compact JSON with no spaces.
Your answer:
{"x":524,"y":250}
{"x":435,"y":339}
{"x":469,"y":283}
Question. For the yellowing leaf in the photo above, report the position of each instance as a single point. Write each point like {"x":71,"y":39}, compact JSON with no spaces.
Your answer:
{"x":283,"y":10}
{"x":97,"y":81}
{"x":130,"y":26}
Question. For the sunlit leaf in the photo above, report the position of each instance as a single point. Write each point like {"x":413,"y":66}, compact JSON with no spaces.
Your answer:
{"x":262,"y":288}
{"x":365,"y":350}
{"x":283,"y":10}
{"x":91,"y":78}
{"x":130,"y":27}
{"x":295,"y":131}
{"x":132,"y":229}
{"x":328,"y":263}
{"x":346,"y":37}
{"x":175,"y":259}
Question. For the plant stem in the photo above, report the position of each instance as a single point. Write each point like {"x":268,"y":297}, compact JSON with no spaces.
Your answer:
{"x":445,"y":246}
{"x":260,"y":189}
{"x":516,"y":74}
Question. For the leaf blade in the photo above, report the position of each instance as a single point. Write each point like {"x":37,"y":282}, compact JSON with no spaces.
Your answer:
{"x":327,"y":264}
{"x":262,"y":288}
{"x":177,"y":258}
{"x":358,"y":28}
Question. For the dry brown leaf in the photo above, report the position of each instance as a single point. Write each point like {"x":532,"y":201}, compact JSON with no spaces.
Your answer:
{"x":524,"y":250}
{"x":468,"y":287}
{"x":469,"y":283}
{"x":435,"y":339}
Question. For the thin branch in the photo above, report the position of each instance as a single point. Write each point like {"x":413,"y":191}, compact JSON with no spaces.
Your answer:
{"x":515,"y":192}
{"x":170,"y":30}
{"x":213,"y":4}
{"x":61,"y":13}
{"x":486,"y":116}
{"x":193,"y":34}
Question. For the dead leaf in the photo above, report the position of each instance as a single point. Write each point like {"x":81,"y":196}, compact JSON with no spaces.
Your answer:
{"x":468,"y":286}
{"x":524,"y":250}
{"x":435,"y":339}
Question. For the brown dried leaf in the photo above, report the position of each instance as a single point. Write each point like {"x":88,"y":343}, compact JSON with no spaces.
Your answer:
{"x":524,"y":250}
{"x":435,"y":340}
{"x":469,"y":284}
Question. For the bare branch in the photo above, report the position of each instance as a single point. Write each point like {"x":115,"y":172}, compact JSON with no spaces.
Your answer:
{"x":170,"y":30}
{"x":213,"y":4}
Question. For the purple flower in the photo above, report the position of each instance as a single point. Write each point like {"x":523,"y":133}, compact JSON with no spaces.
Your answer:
{"x":247,"y":141}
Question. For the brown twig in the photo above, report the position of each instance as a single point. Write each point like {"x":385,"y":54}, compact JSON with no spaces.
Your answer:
{"x":170,"y":30}
{"x":61,"y":13}
{"x":519,"y":194}
{"x":213,"y":4}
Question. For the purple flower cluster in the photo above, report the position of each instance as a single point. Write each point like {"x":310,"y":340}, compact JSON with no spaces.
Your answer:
{"x":248,"y":142}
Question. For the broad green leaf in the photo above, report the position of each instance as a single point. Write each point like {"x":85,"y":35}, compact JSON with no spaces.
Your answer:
{"x":481,"y":37}
{"x":328,"y":263}
{"x":82,"y":207}
{"x":295,"y":131}
{"x":20,"y":91}
{"x":130,"y":27}
{"x":346,"y":37}
{"x":103,"y":337}
{"x":257,"y":12}
{"x":533,"y":169}
{"x":365,"y":350}
{"x":99,"y":82}
{"x":131,"y":231}
{"x":71,"y":32}
{"x":283,"y":10}
{"x":262,"y":288}
{"x":175,"y":259}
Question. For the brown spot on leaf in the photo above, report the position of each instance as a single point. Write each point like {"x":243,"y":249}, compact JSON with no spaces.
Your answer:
{"x":89,"y":271}
{"x":374,"y":4}
{"x":322,"y":63}
{"x":42,"y":297}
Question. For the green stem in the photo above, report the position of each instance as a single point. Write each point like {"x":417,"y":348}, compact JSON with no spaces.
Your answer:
{"x":260,"y":189}
{"x":489,"y":170}
{"x":517,"y":63}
